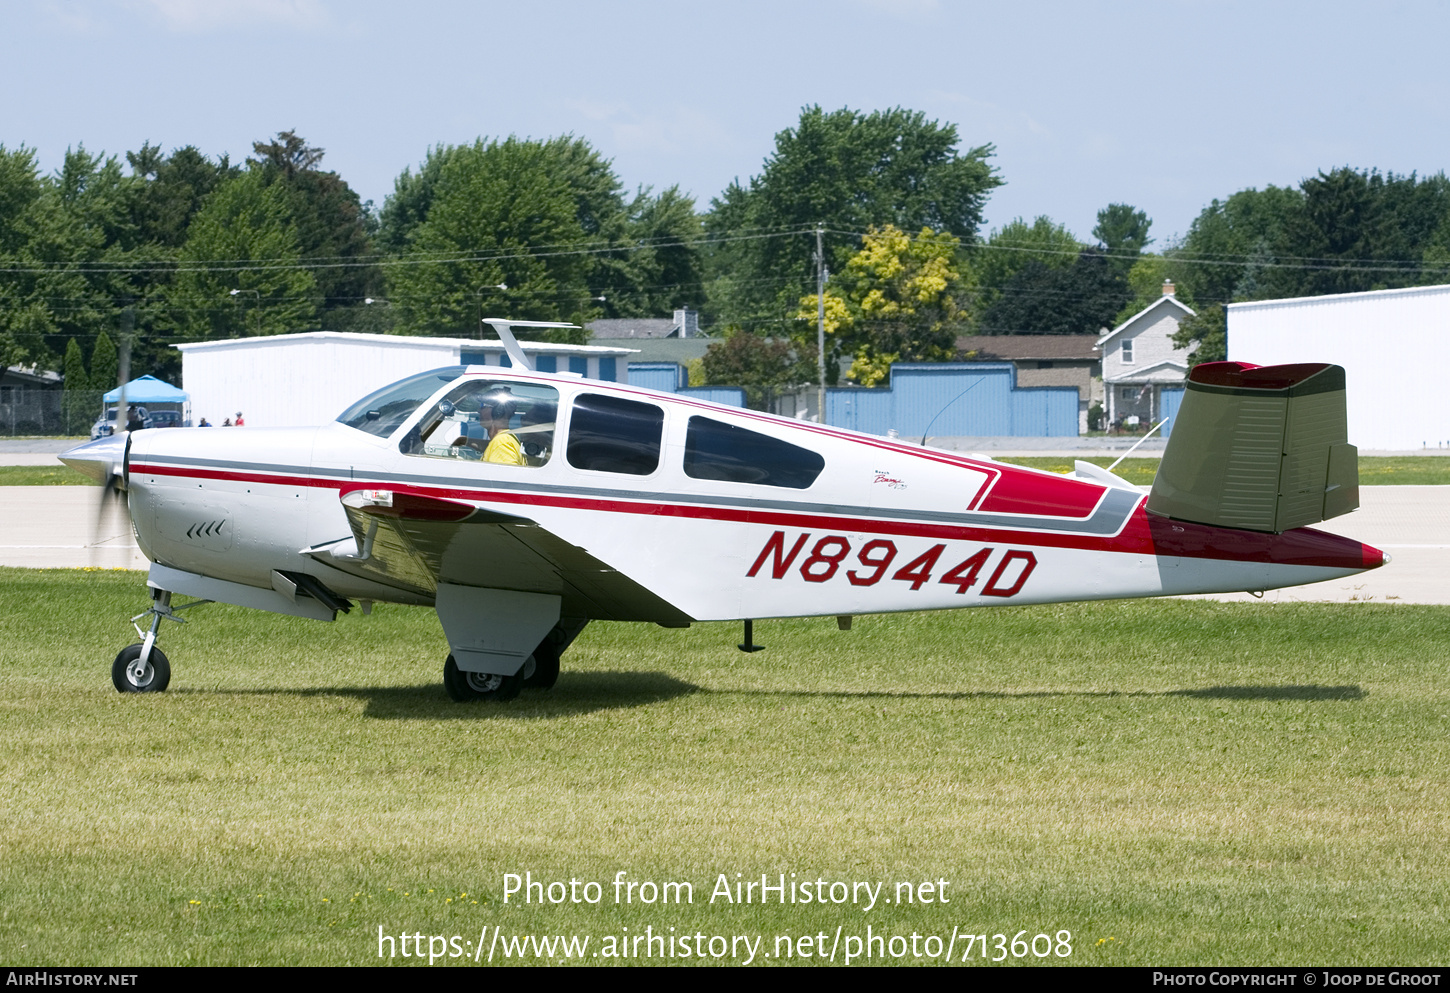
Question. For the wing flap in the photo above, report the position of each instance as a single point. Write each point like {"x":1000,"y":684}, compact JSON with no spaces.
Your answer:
{"x":414,"y":541}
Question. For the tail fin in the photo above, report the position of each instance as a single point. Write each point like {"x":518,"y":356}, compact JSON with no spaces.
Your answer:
{"x":1261,"y":448}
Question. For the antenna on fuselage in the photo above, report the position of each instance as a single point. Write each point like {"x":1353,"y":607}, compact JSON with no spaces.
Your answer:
{"x":511,"y":345}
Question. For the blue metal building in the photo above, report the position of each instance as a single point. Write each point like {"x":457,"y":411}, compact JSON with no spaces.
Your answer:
{"x":956,"y":399}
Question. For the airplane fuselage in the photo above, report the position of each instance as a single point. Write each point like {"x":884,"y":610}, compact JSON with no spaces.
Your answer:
{"x":881,"y":525}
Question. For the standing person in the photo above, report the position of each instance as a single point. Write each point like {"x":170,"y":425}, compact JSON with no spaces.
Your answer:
{"x":239,"y":422}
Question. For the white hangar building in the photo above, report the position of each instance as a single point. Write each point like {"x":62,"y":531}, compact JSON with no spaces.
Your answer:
{"x":1394,"y":346}
{"x":292,"y":380}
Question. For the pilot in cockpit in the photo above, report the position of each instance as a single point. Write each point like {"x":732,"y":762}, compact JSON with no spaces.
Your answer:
{"x":495,"y":411}
{"x":476,"y":422}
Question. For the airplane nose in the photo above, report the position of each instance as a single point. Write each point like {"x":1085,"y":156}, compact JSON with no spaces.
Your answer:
{"x":101,"y":460}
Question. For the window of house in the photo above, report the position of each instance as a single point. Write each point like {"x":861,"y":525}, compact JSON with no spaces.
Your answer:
{"x":716,"y":450}
{"x":611,"y":434}
{"x":1128,"y":350}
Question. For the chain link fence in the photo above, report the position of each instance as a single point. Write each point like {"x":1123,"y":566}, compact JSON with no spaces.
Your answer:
{"x":59,"y":413}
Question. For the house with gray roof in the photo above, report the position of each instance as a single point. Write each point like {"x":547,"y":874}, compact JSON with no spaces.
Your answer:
{"x":654,"y":339}
{"x":1140,"y":361}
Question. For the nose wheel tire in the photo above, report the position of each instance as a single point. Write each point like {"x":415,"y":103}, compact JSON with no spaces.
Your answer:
{"x":466,"y":686}
{"x":130,"y":676}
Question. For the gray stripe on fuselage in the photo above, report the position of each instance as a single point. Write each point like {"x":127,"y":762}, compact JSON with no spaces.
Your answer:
{"x":1106,"y":520}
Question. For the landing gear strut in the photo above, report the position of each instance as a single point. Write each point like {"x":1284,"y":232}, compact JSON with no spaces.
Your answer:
{"x":143,"y":668}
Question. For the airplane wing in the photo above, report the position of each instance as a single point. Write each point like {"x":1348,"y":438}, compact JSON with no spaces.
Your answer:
{"x":413,"y":541}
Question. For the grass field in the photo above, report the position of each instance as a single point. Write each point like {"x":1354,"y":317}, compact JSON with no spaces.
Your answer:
{"x":1173,"y":782}
{"x":1380,"y":471}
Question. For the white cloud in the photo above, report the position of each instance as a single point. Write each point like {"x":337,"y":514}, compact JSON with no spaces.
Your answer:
{"x":677,"y":130}
{"x":201,"y":16}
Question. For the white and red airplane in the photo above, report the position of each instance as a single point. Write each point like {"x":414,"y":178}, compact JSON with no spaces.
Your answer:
{"x":521,"y":505}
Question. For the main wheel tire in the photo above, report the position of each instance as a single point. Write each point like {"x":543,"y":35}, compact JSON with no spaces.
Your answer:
{"x":128,"y":677}
{"x":467,"y":686}
{"x":541,"y":671}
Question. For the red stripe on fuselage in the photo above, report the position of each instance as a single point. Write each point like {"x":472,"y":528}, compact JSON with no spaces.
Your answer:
{"x":1144,"y":534}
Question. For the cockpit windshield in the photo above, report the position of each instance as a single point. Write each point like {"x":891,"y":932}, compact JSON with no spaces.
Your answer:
{"x":383,"y":412}
{"x":507,"y":423}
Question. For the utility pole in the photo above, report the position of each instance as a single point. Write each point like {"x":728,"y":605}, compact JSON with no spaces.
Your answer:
{"x":123,"y":367}
{"x":821,"y":324}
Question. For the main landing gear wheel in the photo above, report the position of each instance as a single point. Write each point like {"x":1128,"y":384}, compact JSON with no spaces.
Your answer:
{"x":130,"y":675}
{"x":465,"y":686}
{"x":541,"y":671}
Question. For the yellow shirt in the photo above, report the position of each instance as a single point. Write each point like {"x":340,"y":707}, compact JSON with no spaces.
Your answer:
{"x":504,"y":449}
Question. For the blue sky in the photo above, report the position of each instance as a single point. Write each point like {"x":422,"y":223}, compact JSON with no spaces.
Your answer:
{"x":1163,"y":105}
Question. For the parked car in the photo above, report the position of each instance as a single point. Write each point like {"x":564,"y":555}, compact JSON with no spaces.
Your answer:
{"x":167,"y":419}
{"x":106,"y":426}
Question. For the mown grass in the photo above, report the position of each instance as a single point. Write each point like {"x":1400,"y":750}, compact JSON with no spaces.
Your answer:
{"x":1198,"y":782}
{"x":1401,"y":470}
{"x":41,"y":475}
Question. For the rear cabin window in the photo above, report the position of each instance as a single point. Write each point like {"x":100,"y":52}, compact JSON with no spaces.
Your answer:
{"x":716,"y":450}
{"x":611,"y":434}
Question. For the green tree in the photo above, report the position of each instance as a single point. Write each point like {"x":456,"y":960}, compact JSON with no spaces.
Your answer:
{"x":1123,"y":230}
{"x":898,"y":300}
{"x":763,"y":367}
{"x":75,"y":252}
{"x":657,"y":266}
{"x":1009,"y":249}
{"x":537,"y":217}
{"x":172,"y":190}
{"x":1079,"y":299}
{"x":105,"y":364}
{"x":850,"y":172}
{"x":78,"y":400}
{"x":1209,"y":331}
{"x":333,"y":226}
{"x":634,"y":259}
{"x":1212,"y":260}
{"x":1145,"y":285}
{"x":243,"y":239}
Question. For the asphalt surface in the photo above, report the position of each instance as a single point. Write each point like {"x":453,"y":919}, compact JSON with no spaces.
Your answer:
{"x":64,"y":527}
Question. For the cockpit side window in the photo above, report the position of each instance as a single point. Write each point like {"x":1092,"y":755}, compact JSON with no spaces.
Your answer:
{"x":382,"y":413}
{"x":482,"y":420}
{"x":611,"y":434}
{"x":716,"y":450}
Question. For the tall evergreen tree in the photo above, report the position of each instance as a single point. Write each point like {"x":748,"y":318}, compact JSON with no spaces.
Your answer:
{"x":105,"y":364}
{"x":333,"y":227}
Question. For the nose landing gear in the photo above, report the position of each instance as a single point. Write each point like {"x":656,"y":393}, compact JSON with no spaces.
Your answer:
{"x":143,"y":668}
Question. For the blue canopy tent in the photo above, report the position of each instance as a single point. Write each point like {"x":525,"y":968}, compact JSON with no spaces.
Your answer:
{"x":147,"y":390}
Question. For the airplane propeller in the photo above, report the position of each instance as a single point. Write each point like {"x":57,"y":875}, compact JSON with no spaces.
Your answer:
{"x":104,"y":462}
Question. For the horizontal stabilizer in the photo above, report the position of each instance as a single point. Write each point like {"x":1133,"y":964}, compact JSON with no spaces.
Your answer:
{"x":1261,"y":448}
